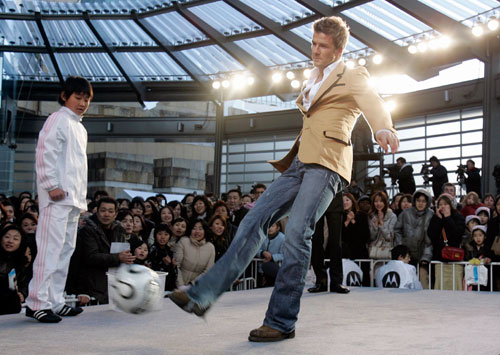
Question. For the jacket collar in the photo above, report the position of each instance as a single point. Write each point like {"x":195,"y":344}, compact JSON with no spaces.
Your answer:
{"x":73,"y":115}
{"x":331,"y":81}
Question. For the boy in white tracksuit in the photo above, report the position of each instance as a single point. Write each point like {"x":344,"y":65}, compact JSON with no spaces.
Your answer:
{"x":61,"y":167}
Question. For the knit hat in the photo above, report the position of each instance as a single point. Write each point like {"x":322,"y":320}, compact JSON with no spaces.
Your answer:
{"x":471,"y":217}
{"x":483,"y":209}
{"x":483,"y":228}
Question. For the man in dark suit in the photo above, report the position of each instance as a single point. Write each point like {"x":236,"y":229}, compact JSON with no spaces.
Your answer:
{"x":333,"y":216}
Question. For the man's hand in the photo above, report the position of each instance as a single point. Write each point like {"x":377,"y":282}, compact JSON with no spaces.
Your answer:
{"x":125,"y":257}
{"x":387,"y":139}
{"x":267,"y":256}
{"x":83,"y":299}
{"x":166,"y":260}
{"x":57,"y":195}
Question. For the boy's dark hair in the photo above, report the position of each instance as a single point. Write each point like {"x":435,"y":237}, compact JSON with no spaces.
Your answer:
{"x":27,"y":193}
{"x":238,"y":191}
{"x":107,"y":200}
{"x":122,"y":213}
{"x":137,"y":201}
{"x":162,"y":227}
{"x":75,"y":84}
{"x":101,"y":193}
{"x":179,"y":219}
{"x":399,"y":250}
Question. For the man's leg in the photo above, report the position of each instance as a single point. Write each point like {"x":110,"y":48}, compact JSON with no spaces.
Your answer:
{"x":319,"y":186}
{"x":274,"y":204}
{"x":59,"y":276}
{"x":334,"y":216}
{"x":318,"y":257}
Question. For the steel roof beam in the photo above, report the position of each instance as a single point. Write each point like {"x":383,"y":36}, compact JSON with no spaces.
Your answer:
{"x":117,"y":63}
{"x":49,"y":47}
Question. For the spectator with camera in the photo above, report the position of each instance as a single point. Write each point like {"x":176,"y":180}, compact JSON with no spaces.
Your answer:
{"x":473,"y":179}
{"x":405,"y":176}
{"x":439,"y":175}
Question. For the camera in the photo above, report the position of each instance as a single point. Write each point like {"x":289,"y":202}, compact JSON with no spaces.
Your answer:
{"x":392,"y":170}
{"x":461,"y":170}
{"x":425,"y":171}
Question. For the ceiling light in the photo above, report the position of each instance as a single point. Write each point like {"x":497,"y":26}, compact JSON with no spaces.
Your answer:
{"x":216,"y":84}
{"x":493,"y":23}
{"x":225,"y":84}
{"x":477,"y":29}
{"x":444,"y":42}
{"x":295,"y":84}
{"x":422,"y":47}
{"x":390,"y":105}
{"x":412,"y":49}
{"x":290,"y":75}
{"x":350,"y":64}
{"x":277,"y":77}
{"x":362,"y":61}
{"x":307,"y":73}
{"x":250,"y":80}
{"x":377,"y":59}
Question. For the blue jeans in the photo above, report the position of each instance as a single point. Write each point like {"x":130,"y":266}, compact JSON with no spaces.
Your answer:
{"x":303,"y":192}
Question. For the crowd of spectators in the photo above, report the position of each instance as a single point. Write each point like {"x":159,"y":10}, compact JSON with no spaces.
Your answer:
{"x":184,"y":238}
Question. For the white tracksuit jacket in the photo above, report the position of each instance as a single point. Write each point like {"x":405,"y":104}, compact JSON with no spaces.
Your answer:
{"x":61,"y":159}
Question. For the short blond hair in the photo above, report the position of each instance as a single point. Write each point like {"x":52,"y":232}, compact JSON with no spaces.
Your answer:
{"x":335,"y":27}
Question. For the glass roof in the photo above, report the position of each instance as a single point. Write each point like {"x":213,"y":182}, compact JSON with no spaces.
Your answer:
{"x":281,"y":54}
{"x":462,"y":10}
{"x":387,"y":20}
{"x":78,"y":51}
{"x":224,"y":18}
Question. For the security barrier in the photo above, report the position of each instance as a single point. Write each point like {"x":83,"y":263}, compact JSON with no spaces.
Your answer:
{"x":248,"y":280}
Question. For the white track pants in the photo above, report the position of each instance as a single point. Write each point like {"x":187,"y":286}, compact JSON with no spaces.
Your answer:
{"x":55,"y":240}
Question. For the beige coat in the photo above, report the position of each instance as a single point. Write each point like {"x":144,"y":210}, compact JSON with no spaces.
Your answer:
{"x":325,"y":138}
{"x":193,"y":259}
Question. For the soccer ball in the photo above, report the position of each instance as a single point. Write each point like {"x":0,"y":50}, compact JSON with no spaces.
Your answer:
{"x":136,"y":289}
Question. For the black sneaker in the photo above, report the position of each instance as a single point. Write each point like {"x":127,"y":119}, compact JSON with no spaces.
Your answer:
{"x":182,"y":300}
{"x":68,"y":311}
{"x":43,"y":315}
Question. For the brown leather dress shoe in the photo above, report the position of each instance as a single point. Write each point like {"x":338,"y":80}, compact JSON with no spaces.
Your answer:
{"x":183,"y":301}
{"x":265,"y":334}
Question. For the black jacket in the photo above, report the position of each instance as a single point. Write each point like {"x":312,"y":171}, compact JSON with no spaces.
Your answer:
{"x":406,"y":180}
{"x":454,"y":226}
{"x":473,"y":181}
{"x":94,"y":258}
{"x":439,"y":178}
{"x":355,"y":237}
{"x":9,"y":299}
{"x":237,"y":216}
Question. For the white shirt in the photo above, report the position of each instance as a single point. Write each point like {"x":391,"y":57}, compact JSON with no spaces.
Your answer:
{"x":61,"y":159}
{"x":406,"y":276}
{"x":312,"y":87}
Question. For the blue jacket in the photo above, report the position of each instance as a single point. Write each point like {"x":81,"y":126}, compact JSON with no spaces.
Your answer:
{"x":274,"y":246}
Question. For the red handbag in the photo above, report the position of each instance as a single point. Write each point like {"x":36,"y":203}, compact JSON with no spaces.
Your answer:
{"x":451,"y":253}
